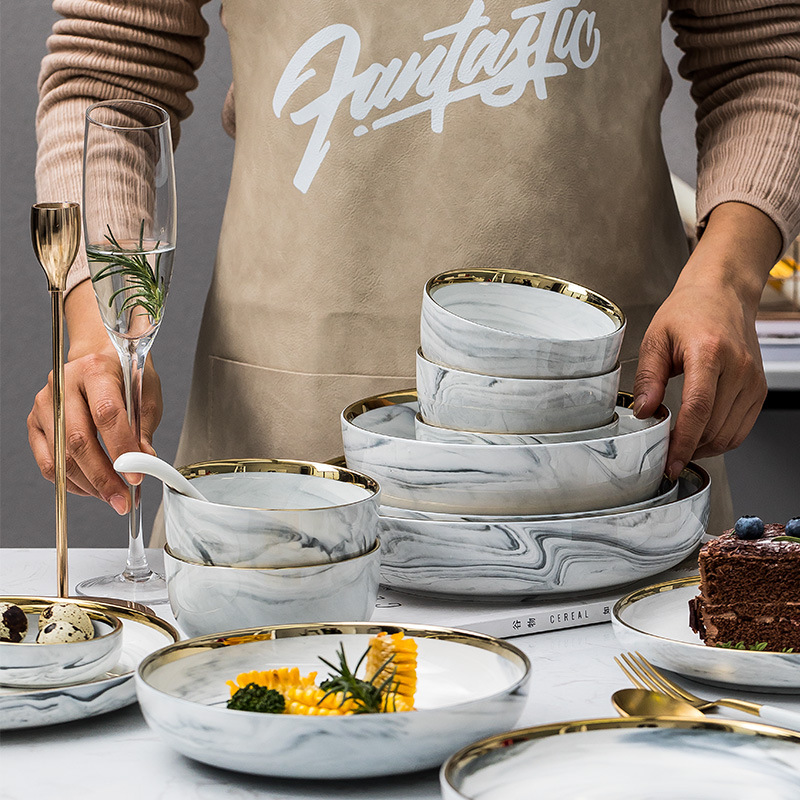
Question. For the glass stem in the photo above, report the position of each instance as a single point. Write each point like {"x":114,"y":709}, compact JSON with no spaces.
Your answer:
{"x":136,"y":566}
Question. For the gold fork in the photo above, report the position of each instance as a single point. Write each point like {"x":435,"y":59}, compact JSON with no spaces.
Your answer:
{"x":643,"y":675}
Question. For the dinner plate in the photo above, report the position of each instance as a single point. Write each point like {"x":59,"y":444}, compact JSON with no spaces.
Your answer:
{"x":637,"y":757}
{"x":655,"y":622}
{"x":29,"y":708}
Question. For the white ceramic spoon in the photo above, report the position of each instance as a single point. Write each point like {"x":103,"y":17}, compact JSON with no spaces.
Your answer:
{"x":166,"y":473}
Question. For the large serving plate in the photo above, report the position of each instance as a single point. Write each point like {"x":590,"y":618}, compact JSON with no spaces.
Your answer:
{"x":637,"y":757}
{"x":655,"y":622}
{"x":468,"y":686}
{"x":28,"y":708}
{"x":379,"y":440}
{"x":522,"y":557}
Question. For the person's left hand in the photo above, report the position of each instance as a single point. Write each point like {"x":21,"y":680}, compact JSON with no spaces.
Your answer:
{"x":705,"y":329}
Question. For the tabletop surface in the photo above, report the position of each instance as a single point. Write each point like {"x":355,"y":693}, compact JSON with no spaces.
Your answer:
{"x":115,"y":756}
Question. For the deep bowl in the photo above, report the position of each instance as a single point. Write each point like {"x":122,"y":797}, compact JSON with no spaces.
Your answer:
{"x":207,"y":599}
{"x":525,"y":557}
{"x":518,"y":324}
{"x":468,"y":401}
{"x":469,"y":685}
{"x":272,"y":513}
{"x":32,"y":665}
{"x":565,"y":477}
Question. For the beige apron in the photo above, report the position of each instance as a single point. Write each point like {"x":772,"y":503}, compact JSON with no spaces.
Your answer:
{"x":381,"y":142}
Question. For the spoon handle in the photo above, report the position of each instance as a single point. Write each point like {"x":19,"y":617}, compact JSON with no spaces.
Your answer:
{"x":155,"y":467}
{"x":780,"y":716}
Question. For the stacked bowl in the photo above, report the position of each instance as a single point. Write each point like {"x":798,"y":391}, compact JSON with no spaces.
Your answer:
{"x":516,"y":467}
{"x":275,"y":542}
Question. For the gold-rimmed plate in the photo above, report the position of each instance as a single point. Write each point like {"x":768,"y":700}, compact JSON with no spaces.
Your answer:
{"x":142,"y":633}
{"x":635,"y":757}
{"x":654,"y":621}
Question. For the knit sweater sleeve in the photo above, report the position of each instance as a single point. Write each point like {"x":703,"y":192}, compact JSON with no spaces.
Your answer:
{"x":743,"y":59}
{"x":102,"y":50}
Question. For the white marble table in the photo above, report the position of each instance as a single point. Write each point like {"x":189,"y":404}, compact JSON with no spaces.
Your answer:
{"x":116,"y":757}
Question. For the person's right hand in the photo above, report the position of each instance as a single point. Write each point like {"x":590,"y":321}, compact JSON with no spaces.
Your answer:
{"x":94,"y":407}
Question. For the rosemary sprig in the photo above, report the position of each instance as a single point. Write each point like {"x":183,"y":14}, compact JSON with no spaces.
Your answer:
{"x":144,"y":284}
{"x":743,"y":646}
{"x":369,"y":696}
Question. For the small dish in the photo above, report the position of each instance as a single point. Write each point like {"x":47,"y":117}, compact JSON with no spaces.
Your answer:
{"x":468,"y":685}
{"x":206,"y":599}
{"x":518,"y":324}
{"x":433,"y":433}
{"x":29,"y":708}
{"x":659,"y":758}
{"x":654,"y":621}
{"x":34,"y":665}
{"x":467,"y":401}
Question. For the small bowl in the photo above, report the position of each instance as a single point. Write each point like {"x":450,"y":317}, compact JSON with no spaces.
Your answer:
{"x":208,"y":599}
{"x":432,"y":433}
{"x":468,"y":685}
{"x":513,"y":558}
{"x":564,"y":477}
{"x":519,"y":324}
{"x":467,"y":401}
{"x":32,"y":665}
{"x":272,"y":513}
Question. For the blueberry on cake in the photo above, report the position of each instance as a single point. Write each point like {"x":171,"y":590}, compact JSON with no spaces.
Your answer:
{"x":750,"y":587}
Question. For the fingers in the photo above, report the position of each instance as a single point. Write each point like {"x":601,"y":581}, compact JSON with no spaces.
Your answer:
{"x":652,"y":374}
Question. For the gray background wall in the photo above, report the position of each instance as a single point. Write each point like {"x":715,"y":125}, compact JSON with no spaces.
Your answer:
{"x":764,"y":472}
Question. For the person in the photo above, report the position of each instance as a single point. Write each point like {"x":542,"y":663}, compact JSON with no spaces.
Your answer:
{"x":378,"y":144}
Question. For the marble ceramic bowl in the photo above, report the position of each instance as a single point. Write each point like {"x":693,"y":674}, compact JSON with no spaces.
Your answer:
{"x":565,"y":477}
{"x":506,"y":558}
{"x":272,"y":513}
{"x":519,"y":325}
{"x":468,"y":401}
{"x":207,"y":599}
{"x":468,"y":685}
{"x":433,"y":433}
{"x":32,"y":665}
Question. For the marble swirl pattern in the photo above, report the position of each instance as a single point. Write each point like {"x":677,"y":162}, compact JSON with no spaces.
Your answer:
{"x":463,"y":693}
{"x":208,"y":599}
{"x":517,"y":558}
{"x":510,"y":480}
{"x":517,"y":331}
{"x":467,"y":401}
{"x":647,"y":762}
{"x":321,"y":528}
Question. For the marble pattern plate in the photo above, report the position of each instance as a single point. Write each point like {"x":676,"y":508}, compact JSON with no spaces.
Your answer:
{"x":637,"y":757}
{"x":30,"y":708}
{"x":654,"y":621}
{"x":468,"y":686}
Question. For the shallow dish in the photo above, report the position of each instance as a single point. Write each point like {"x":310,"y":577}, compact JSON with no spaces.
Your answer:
{"x":637,"y":757}
{"x":654,"y":621}
{"x":518,"y":558}
{"x":272,"y":513}
{"x":206,"y":599}
{"x":467,"y":401}
{"x":29,"y":708}
{"x":564,"y":477}
{"x":518,"y":324}
{"x":30,"y":664}
{"x":432,"y":433}
{"x":468,"y":685}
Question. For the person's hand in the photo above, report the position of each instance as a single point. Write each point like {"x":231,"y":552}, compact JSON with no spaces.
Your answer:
{"x":705,"y":329}
{"x":94,"y":407}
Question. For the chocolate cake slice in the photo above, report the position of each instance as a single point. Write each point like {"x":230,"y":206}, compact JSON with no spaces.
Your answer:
{"x":749,"y":592}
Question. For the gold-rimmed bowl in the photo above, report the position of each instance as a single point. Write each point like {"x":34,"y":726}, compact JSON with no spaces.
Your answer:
{"x":468,"y":685}
{"x":653,"y":757}
{"x":518,"y":324}
{"x":271,"y":513}
{"x":29,"y":664}
{"x":207,"y":598}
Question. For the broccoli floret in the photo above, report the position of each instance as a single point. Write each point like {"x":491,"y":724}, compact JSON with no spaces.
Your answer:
{"x":258,"y":698}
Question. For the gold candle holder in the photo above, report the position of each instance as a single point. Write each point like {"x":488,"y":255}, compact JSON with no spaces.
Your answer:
{"x":56,"y":234}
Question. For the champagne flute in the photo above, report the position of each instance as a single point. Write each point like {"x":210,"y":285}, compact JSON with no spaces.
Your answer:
{"x":130,"y":221}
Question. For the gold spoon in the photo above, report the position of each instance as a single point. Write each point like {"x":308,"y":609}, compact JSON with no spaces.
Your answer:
{"x":644,"y":703}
